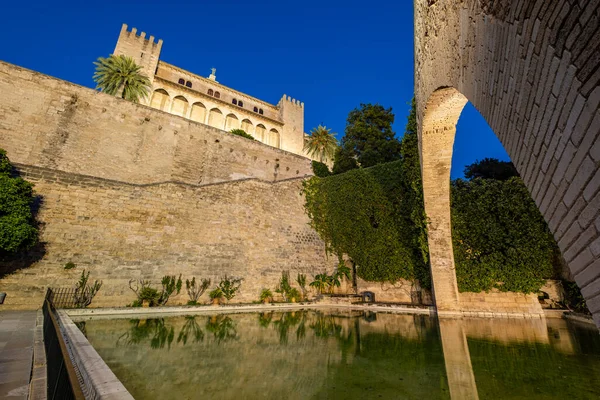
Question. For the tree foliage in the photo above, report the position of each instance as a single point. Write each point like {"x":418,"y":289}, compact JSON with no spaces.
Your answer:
{"x":120,"y":76}
{"x":500,"y":238}
{"x":491,"y":168}
{"x":319,"y":169}
{"x":18,"y":230}
{"x":369,"y":138}
{"x":321,"y":144}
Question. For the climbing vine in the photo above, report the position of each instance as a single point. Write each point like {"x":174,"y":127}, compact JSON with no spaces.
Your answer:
{"x":500,"y":238}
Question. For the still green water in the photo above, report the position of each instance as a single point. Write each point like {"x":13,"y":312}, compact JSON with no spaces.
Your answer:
{"x":348,"y":355}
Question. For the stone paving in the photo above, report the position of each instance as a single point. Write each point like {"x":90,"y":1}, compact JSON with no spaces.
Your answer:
{"x":16,"y":353}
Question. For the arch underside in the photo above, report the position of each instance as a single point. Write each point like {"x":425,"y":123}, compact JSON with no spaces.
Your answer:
{"x":532,"y":71}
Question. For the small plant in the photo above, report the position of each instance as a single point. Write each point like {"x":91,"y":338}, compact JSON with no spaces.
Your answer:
{"x":320,"y":283}
{"x":229,"y":286}
{"x":169,"y":285}
{"x":343,"y":271}
{"x":301,"y":279}
{"x":284,"y":286}
{"x":84,"y":293}
{"x":266,"y":295}
{"x":70,"y":265}
{"x":150,"y":296}
{"x":293,"y":294}
{"x":216,"y":295}
{"x":195,"y":291}
{"x":242,"y":133}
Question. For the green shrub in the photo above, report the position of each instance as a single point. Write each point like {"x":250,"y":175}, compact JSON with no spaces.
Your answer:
{"x":242,"y":133}
{"x":17,"y":226}
{"x":150,"y":295}
{"x":500,"y":238}
{"x":216,"y":293}
{"x":70,"y":265}
{"x":266,"y":295}
{"x":320,"y":169}
{"x":574,"y":299}
{"x":229,"y":286}
{"x":195,"y":290}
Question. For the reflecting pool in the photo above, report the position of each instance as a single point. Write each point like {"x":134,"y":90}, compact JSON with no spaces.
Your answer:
{"x":348,"y":355}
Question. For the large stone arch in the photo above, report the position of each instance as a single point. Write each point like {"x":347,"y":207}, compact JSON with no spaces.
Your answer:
{"x":532,"y":69}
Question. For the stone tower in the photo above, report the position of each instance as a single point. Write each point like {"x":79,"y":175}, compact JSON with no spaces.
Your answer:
{"x":143,"y":51}
{"x":292,"y":112}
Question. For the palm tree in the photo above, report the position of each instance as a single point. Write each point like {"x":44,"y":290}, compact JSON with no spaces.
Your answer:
{"x":120,"y":76}
{"x":321,"y":143}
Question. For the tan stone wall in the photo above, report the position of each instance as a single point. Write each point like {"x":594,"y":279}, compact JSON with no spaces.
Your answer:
{"x":118,"y":231}
{"x":532,"y":69}
{"x":51,"y":123}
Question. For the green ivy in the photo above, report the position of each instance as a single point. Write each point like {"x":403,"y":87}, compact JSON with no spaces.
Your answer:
{"x":17,"y":225}
{"x":320,"y":169}
{"x":500,"y":238}
{"x":361,"y":213}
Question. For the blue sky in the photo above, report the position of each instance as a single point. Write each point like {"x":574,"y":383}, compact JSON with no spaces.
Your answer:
{"x":332,"y":55}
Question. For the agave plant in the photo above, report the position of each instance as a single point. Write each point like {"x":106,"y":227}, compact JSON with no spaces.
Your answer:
{"x":120,"y":76}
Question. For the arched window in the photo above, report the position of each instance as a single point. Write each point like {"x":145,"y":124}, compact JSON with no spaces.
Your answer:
{"x":234,"y":101}
{"x":260,"y":111}
{"x":255,"y":109}
{"x":273,"y":138}
{"x":217,"y":95}
{"x":181,"y":81}
{"x":160,"y":99}
{"x":188,"y":84}
{"x":231,"y":122}
{"x":198,"y":112}
{"x":241,"y":103}
{"x":259,"y":133}
{"x":179,"y":106}
{"x":210,"y":92}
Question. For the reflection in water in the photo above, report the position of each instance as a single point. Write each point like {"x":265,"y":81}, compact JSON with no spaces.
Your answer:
{"x":348,"y":355}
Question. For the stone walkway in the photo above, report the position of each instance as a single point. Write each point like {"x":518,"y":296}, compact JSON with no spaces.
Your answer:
{"x":16,"y":353}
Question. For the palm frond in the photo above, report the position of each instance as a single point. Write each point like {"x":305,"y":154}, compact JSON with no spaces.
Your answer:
{"x":121,"y":76}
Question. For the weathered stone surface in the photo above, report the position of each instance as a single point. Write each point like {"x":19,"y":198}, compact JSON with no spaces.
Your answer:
{"x":531,"y":69}
{"x":119,"y":231}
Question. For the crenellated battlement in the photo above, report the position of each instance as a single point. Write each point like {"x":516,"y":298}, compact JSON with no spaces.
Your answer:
{"x":132,"y":35}
{"x":289,"y":99}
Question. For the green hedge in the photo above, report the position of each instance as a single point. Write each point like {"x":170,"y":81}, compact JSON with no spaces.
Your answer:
{"x":500,"y":238}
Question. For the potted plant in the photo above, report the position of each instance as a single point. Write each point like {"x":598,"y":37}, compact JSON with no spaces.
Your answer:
{"x":215,"y":295}
{"x":266,"y":296}
{"x":149,"y":296}
{"x":293,"y":295}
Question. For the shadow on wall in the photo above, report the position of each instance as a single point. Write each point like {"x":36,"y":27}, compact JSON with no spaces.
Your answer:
{"x":12,"y":262}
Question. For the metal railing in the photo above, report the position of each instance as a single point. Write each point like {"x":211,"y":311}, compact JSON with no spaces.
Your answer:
{"x":63,"y":382}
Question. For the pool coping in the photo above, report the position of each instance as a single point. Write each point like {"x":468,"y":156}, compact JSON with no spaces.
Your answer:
{"x":98,"y":380}
{"x":190,"y":310}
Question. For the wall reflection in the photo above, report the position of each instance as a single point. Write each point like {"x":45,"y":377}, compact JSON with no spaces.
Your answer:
{"x":348,"y":355}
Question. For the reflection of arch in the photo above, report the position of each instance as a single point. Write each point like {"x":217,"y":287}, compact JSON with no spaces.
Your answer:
{"x":231,"y":122}
{"x":198,"y":112}
{"x":160,"y":99}
{"x":274,"y":138}
{"x":248,"y":127}
{"x":215,"y":118}
{"x":179,"y":106}
{"x":260,"y":132}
